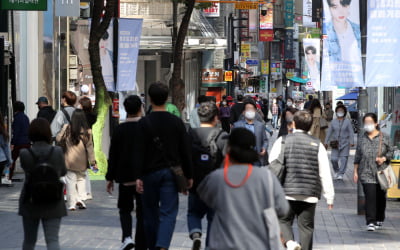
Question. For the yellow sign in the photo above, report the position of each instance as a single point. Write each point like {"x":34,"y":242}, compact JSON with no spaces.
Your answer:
{"x":228,"y":76}
{"x":273,"y":90}
{"x":264,"y":67}
{"x":245,"y":50}
{"x":289,"y":75}
{"x":246,"y":6}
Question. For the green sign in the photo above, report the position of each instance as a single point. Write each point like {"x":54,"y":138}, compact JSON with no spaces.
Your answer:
{"x":23,"y":5}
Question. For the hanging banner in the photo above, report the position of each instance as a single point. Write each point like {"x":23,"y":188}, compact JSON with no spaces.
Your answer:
{"x":289,"y":44}
{"x":67,"y":8}
{"x":307,"y":14}
{"x":129,"y":33}
{"x":289,"y":13}
{"x":245,"y":50}
{"x":265,"y":67}
{"x":383,"y":44}
{"x":312,"y":55}
{"x":342,"y":65}
{"x":106,"y":57}
{"x":266,"y":16}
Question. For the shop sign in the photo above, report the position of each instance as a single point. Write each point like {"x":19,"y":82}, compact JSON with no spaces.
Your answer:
{"x":23,"y":5}
{"x":266,"y":35}
{"x":228,"y":76}
{"x":212,"y":76}
{"x":212,"y":11}
{"x":252,"y":62}
{"x":246,"y":6}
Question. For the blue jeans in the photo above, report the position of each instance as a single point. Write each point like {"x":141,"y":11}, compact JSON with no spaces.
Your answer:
{"x":275,"y":121}
{"x":160,"y":208}
{"x":51,"y":228}
{"x":339,"y":164}
{"x":197,"y":209}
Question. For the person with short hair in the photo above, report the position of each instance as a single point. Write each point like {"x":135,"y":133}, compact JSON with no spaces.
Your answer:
{"x":239,"y":193}
{"x":46,"y":111}
{"x":328,"y":112}
{"x":19,"y":139}
{"x":122,"y":163}
{"x":237,"y":109}
{"x":307,"y":176}
{"x":164,"y":143}
{"x":194,"y":117}
{"x":308,"y":103}
{"x":208,"y":136}
{"x":317,"y":130}
{"x":341,"y":133}
{"x":257,"y":128}
{"x":49,"y":214}
{"x":63,"y":116}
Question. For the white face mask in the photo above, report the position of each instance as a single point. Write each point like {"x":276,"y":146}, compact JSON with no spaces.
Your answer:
{"x":223,"y":103}
{"x":250,"y":115}
{"x":289,"y":103}
{"x":340,"y":114}
{"x":369,"y":127}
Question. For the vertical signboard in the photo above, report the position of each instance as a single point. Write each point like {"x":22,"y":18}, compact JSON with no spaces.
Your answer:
{"x":67,"y":8}
{"x":383,"y":44}
{"x":312,"y":56}
{"x":106,"y":58}
{"x":266,"y":16}
{"x":342,"y":65}
{"x":244,"y":24}
{"x":289,"y":13}
{"x":289,"y":44}
{"x":129,"y":32}
{"x":307,"y":13}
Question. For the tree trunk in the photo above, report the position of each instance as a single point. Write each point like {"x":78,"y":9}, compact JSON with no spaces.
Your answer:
{"x":102,"y":16}
{"x":176,"y":83}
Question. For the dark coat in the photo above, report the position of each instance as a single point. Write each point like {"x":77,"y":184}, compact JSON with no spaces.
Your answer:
{"x":43,"y":211}
{"x":47,"y":113}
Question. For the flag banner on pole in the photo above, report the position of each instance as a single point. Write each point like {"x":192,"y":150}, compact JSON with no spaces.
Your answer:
{"x":106,"y":57}
{"x":342,"y":65}
{"x":312,"y":54}
{"x":383,"y":44}
{"x":129,"y":32}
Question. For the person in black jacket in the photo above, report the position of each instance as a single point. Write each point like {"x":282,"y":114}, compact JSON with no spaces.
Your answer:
{"x":121,"y":169}
{"x":45,"y":110}
{"x":237,"y":109}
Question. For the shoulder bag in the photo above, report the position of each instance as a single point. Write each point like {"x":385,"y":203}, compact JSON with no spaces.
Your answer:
{"x":180,"y":179}
{"x":386,"y":177}
{"x":277,"y":166}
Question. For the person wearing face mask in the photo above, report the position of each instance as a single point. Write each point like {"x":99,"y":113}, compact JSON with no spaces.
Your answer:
{"x":290,"y":103}
{"x":257,"y":128}
{"x":374,"y":151}
{"x":340,"y":138}
{"x":225,"y":116}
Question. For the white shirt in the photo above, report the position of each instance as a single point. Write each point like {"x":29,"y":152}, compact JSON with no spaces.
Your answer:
{"x":324,"y":173}
{"x":349,"y":45}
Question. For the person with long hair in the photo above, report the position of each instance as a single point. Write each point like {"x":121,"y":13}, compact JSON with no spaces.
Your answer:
{"x":286,"y":121}
{"x":48,"y":212}
{"x":76,"y":138}
{"x":374,"y":152}
{"x":5,"y":152}
{"x":318,"y":129}
{"x":239,"y":193}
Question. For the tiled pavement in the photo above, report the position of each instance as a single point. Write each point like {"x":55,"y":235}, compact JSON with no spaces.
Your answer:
{"x":98,"y":226}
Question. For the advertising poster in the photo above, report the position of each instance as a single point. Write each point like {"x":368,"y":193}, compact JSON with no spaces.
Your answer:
{"x":307,"y":14}
{"x":106,"y":57}
{"x":342,"y":65}
{"x":383,"y":44}
{"x":129,"y":33}
{"x":266,"y":19}
{"x":212,"y":11}
{"x":312,"y":55}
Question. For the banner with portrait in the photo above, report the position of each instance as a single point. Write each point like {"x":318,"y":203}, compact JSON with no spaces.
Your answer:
{"x":312,"y":54}
{"x":383,"y":44}
{"x":342,"y":64}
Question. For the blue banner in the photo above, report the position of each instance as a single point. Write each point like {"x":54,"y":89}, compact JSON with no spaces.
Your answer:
{"x":341,"y":59}
{"x":383,"y":53}
{"x":129,"y":33}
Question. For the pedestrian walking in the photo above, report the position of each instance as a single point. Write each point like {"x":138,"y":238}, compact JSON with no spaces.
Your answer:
{"x":225,"y":116}
{"x":194,"y":117}
{"x":290,"y":103}
{"x":239,"y":194}
{"x":286,"y":121}
{"x":328,"y":112}
{"x":307,"y":105}
{"x":77,"y":142}
{"x":41,"y":196}
{"x":19,"y":138}
{"x":319,"y":126}
{"x":46,"y":111}
{"x":63,"y":116}
{"x":306,"y":176}
{"x":208,"y":148}
{"x":257,"y":128}
{"x":374,"y":152}
{"x":164,"y":143}
{"x":237,"y":109}
{"x":122,"y":164}
{"x":5,"y":151}
{"x":275,"y":111}
{"x":340,"y":138}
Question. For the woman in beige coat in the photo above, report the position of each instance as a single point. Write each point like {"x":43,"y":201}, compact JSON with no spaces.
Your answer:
{"x":319,"y":126}
{"x":76,"y":139}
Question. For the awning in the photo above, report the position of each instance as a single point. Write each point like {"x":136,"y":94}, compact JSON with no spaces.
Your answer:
{"x":349,"y":96}
{"x":299,"y":80}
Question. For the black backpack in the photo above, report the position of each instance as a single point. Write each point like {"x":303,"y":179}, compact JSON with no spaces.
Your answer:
{"x":44,"y":185}
{"x":205,"y":158}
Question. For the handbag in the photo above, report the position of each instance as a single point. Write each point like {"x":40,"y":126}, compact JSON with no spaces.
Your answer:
{"x":271,"y":220}
{"x":323,"y":123}
{"x":334,"y":144}
{"x":180,"y":179}
{"x":277,"y":166}
{"x":386,"y":177}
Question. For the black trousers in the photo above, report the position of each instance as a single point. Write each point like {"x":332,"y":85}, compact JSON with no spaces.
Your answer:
{"x":226,"y":125}
{"x":305,"y":213}
{"x":375,"y":203}
{"x":126,"y":197}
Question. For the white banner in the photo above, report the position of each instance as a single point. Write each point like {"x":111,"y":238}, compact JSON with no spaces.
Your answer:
{"x":312,"y":54}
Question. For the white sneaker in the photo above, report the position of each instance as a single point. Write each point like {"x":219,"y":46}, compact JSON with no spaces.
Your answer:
{"x":371,"y":227}
{"x":292,"y":245}
{"x":127,"y":244}
{"x":339,"y":177}
{"x":335,"y":176}
{"x":89,"y":196}
{"x":379,"y":225}
{"x":6,"y":181}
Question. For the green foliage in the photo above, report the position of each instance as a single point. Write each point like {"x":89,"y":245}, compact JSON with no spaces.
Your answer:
{"x":202,"y":6}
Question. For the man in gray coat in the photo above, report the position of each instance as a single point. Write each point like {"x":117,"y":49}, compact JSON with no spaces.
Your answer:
{"x":63,"y":116}
{"x":257,"y":128}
